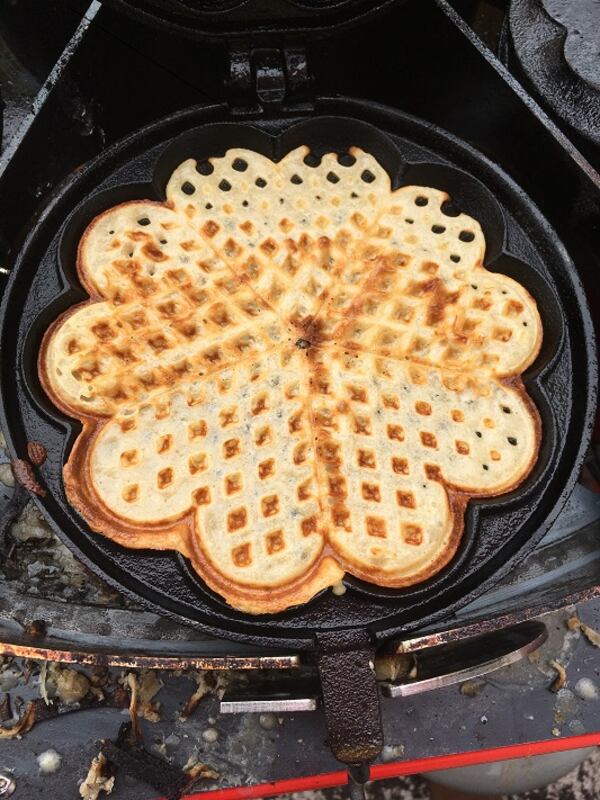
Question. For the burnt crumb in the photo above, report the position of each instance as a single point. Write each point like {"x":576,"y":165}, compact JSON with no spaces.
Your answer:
{"x":36,"y":628}
{"x":303,"y":344}
{"x":5,"y":709}
{"x":37,"y":453}
{"x":25,"y":476}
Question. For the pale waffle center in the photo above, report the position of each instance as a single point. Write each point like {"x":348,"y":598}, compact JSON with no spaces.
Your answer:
{"x":303,"y":370}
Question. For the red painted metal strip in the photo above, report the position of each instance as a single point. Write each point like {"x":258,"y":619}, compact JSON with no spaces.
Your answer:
{"x":395,"y":769}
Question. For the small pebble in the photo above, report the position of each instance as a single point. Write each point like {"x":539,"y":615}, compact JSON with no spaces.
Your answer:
{"x":6,"y":476}
{"x":49,"y":761}
{"x":210,"y":735}
{"x":268,"y":721}
{"x":392,"y":752}
{"x":555,"y":732}
{"x":484,"y":720}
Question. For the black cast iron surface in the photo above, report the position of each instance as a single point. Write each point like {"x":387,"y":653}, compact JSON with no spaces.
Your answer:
{"x":555,"y":51}
{"x":519,"y":243}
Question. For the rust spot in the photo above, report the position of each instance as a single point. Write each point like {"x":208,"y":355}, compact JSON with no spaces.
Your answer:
{"x":236,"y":519}
{"x":266,"y":468}
{"x":270,"y":505}
{"x":275,"y":542}
{"x":412,"y":534}
{"x":241,"y":555}
{"x":400,"y":466}
{"x":376,"y":527}
{"x":201,"y":496}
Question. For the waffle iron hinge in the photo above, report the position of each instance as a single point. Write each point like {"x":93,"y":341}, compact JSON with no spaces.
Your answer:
{"x":268,"y":80}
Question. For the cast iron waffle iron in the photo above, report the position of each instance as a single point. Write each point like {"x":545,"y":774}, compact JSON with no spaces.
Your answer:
{"x":343,"y":632}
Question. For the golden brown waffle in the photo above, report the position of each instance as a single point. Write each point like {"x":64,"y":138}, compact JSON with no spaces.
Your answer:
{"x":287,"y":372}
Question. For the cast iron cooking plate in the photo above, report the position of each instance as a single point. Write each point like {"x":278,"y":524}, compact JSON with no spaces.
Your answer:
{"x":520,"y":243}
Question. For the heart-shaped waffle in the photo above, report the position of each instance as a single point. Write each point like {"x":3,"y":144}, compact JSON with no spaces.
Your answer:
{"x":288,"y":371}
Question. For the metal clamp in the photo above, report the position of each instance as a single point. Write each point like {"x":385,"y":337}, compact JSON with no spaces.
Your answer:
{"x":277,"y":703}
{"x":433,"y":665}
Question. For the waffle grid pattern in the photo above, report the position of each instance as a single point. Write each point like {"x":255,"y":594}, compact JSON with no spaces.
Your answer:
{"x":289,"y":371}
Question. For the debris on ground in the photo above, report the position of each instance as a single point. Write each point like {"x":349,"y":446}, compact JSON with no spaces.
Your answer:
{"x":98,"y":779}
{"x":22,"y":725}
{"x":49,"y":762}
{"x":472,"y":688}
{"x":592,"y":635}
{"x":561,"y":677}
{"x":586,"y":689}
{"x":207,"y":683}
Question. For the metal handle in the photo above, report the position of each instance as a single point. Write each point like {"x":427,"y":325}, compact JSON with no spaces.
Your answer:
{"x":350,"y":695}
{"x":514,"y":644}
